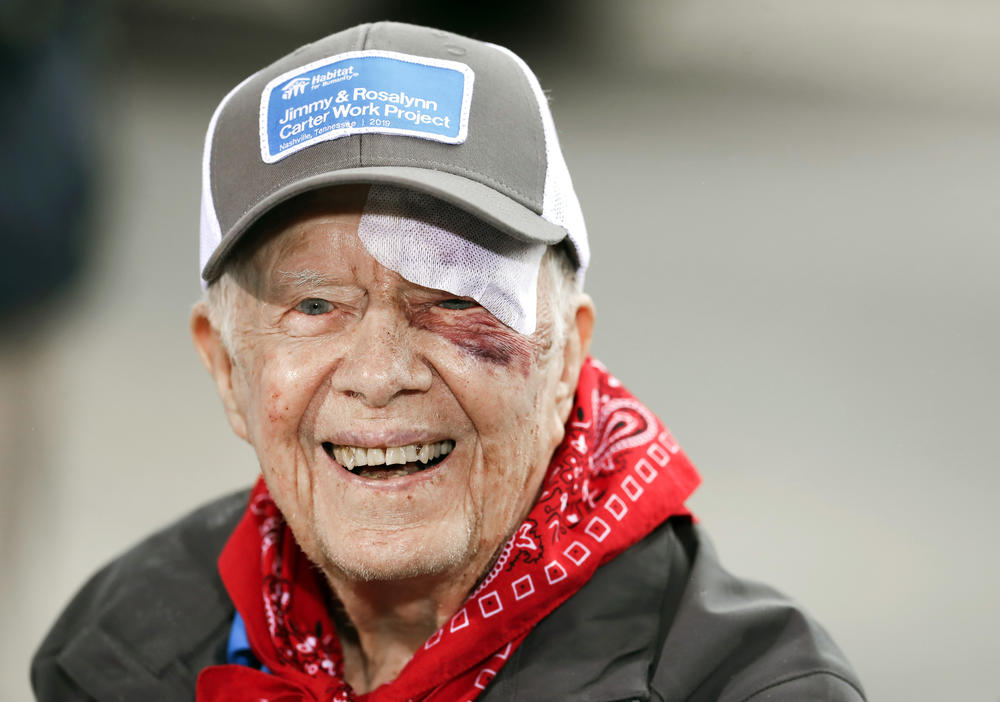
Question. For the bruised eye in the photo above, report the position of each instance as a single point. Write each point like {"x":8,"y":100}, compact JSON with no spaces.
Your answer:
{"x":314,"y":306}
{"x":458,"y":304}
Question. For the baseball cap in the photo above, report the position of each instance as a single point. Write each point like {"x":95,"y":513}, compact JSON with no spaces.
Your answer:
{"x":387,"y":103}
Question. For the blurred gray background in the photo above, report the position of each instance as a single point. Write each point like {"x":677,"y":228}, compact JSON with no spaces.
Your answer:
{"x":793,"y":210}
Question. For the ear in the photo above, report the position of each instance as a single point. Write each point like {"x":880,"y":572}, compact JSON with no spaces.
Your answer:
{"x":215,"y":356}
{"x":578,"y":336}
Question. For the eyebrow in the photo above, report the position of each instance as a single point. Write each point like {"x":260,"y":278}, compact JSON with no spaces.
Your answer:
{"x":304,"y":279}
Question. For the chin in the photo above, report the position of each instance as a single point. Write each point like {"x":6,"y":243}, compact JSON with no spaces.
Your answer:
{"x":402,"y":556}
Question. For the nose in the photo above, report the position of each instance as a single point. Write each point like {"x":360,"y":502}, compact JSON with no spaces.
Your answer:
{"x":380,"y":361}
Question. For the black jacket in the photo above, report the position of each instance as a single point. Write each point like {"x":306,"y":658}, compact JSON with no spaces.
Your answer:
{"x":661,"y":622}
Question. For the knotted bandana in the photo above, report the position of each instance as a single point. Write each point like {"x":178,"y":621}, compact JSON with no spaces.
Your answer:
{"x":616,"y":476}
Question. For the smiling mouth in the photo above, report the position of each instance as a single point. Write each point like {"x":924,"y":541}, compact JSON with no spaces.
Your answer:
{"x":389,"y":462}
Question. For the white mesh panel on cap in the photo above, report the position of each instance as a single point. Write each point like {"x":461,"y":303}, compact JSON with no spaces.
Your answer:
{"x":437,"y":245}
{"x":559,"y":202}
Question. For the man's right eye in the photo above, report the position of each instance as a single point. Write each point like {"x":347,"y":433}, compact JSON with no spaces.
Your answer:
{"x":314,"y":306}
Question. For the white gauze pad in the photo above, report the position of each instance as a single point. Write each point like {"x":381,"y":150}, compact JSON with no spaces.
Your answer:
{"x":434,"y":244}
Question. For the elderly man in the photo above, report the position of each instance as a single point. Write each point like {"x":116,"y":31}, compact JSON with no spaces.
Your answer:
{"x":456,"y":503}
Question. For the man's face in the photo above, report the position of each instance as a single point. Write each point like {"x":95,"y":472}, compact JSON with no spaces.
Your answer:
{"x":335,"y":357}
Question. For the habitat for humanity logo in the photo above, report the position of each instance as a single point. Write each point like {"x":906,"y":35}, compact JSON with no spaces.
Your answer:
{"x":297,"y":86}
{"x":363,"y":92}
{"x":294,"y":87}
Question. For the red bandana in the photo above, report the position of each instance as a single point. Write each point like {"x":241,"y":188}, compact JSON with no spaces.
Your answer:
{"x":616,"y":476}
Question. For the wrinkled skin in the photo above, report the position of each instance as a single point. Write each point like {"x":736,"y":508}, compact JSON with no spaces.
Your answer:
{"x":330,"y":346}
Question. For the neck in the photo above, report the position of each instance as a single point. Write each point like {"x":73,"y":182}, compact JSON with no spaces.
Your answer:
{"x":382,"y":624}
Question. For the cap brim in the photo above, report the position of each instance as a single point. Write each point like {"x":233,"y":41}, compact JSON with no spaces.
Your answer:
{"x":498,"y":210}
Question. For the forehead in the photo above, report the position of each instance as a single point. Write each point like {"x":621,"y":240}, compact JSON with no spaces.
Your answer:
{"x":311,"y":228}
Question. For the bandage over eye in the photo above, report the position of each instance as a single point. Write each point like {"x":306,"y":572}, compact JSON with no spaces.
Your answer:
{"x":436,"y":245}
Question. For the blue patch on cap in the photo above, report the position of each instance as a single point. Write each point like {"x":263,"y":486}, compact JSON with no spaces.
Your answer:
{"x":364,"y":92}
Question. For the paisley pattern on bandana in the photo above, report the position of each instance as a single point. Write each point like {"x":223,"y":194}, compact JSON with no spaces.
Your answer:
{"x":616,"y":476}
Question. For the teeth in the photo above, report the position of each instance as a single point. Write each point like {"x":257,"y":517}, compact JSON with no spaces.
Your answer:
{"x":354,"y":458}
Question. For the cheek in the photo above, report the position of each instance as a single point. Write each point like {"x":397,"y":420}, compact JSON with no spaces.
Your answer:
{"x":501,"y":350}
{"x":512,"y":474}
{"x":520,"y":425}
{"x":509,"y":422}
{"x":285,"y":383}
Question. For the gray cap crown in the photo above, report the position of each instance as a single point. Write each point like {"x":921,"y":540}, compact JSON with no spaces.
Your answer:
{"x":509,"y":169}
